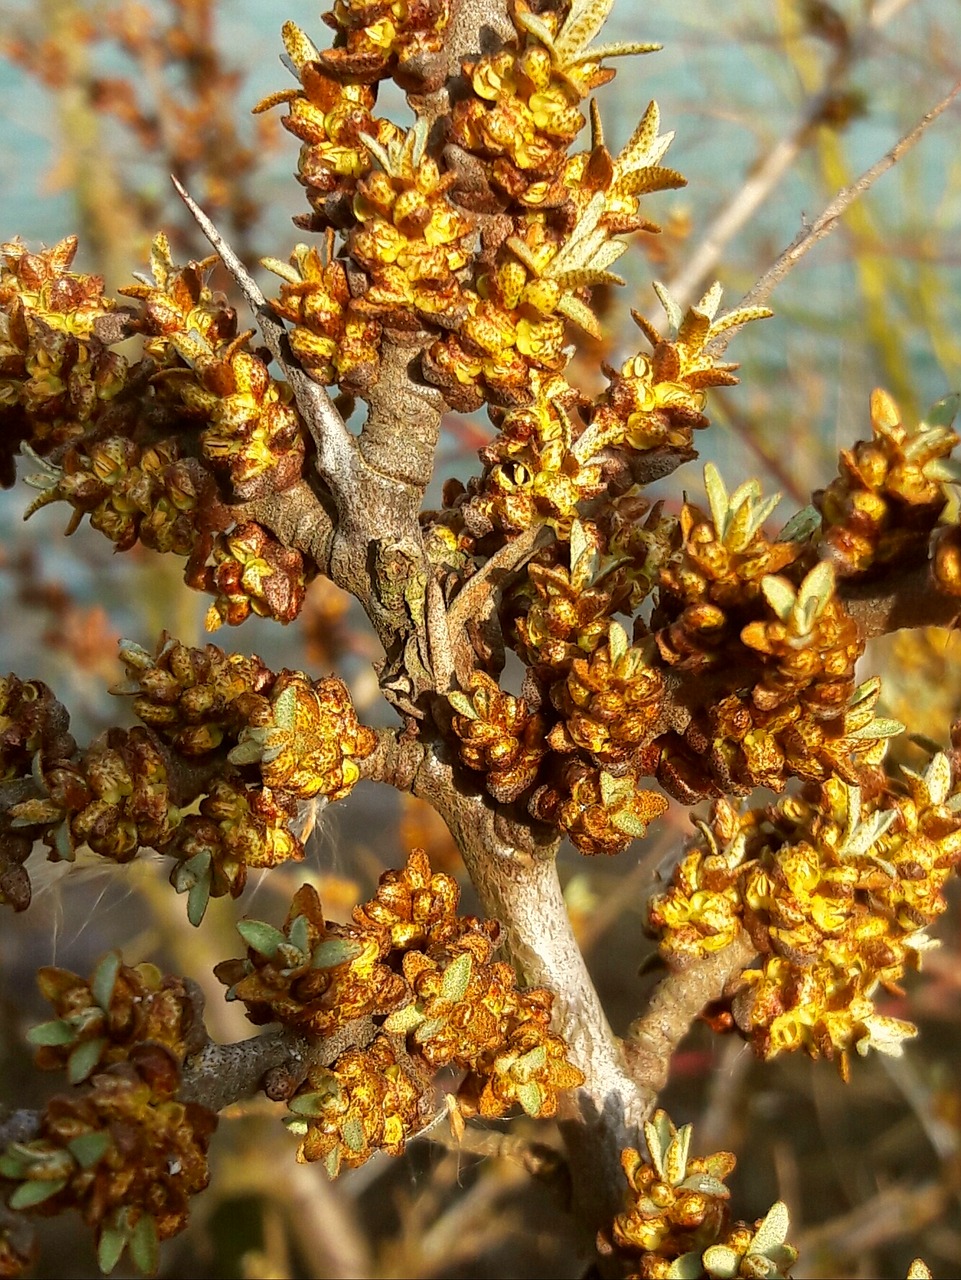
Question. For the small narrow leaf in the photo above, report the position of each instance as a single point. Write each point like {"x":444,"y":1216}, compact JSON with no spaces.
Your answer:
{"x":262,"y":937}
{"x":335,"y":951}
{"x":773,"y":1229}
{"x":779,"y":594}
{"x":84,"y":1059}
{"x":675,"y":316}
{"x":105,"y":978}
{"x":353,"y":1135}
{"x":51,"y":1033}
{"x":29,"y":1194}
{"x":110,"y":1246}
{"x":456,"y":978}
{"x":88,"y":1148}
{"x":144,"y":1244}
{"x":717,"y":498}
{"x":531,"y":1098}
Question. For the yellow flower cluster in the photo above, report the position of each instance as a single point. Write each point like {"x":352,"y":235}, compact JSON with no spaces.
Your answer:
{"x":677,"y":1220}
{"x":417,"y":983}
{"x":835,"y":889}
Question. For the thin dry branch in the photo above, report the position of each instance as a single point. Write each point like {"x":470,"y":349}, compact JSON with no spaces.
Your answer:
{"x":335,"y":445}
{"x":826,"y":221}
{"x":767,"y":174}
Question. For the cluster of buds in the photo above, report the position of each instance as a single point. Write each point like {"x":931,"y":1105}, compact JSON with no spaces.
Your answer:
{"x":677,"y":1220}
{"x":582,"y":775}
{"x":532,"y":473}
{"x":398,"y":38}
{"x":409,"y":209}
{"x":835,"y":888}
{"x":154,"y":452}
{"x":58,"y":375}
{"x":890,"y":492}
{"x":711,"y":587}
{"x":227,"y":757}
{"x":134,"y":493}
{"x":410,"y":987}
{"x":333,"y":341}
{"x":252,"y":572}
{"x":562,"y":613}
{"x":656,"y":401}
{"x":99,"y":1020}
{"x":120,"y":1147}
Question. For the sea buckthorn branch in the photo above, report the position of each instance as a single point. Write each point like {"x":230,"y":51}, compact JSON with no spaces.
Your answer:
{"x":453,"y":256}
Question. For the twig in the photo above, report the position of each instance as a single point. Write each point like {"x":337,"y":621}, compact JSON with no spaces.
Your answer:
{"x":675,"y":1003}
{"x":335,"y":445}
{"x":824,"y":224}
{"x":765,"y":176}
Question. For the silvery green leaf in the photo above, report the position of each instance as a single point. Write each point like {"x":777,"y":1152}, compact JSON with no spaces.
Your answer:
{"x":84,"y":1059}
{"x":29,"y":1194}
{"x":531,"y":1097}
{"x":881,"y":728}
{"x":801,"y":526}
{"x":298,"y":934}
{"x":198,"y":895}
{"x":779,"y":594}
{"x":937,"y":778}
{"x":773,"y":1230}
{"x":627,"y":821}
{"x":709,"y":304}
{"x":262,"y":937}
{"x":353,"y":1135}
{"x":868,"y":833}
{"x":144,"y":1245}
{"x":688,"y":1266}
{"x":110,"y":1245}
{"x":580,"y":543}
{"x":105,"y":978}
{"x":718,"y":500}
{"x":943,"y":413}
{"x":456,"y":979}
{"x":813,"y":595}
{"x":335,"y":951}
{"x":706,"y":1185}
{"x":88,"y":1148}
{"x":675,"y":316}
{"x":56,"y":1032}
{"x":426,"y":1030}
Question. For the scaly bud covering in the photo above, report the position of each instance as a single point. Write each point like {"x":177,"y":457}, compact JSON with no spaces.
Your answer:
{"x":57,"y":374}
